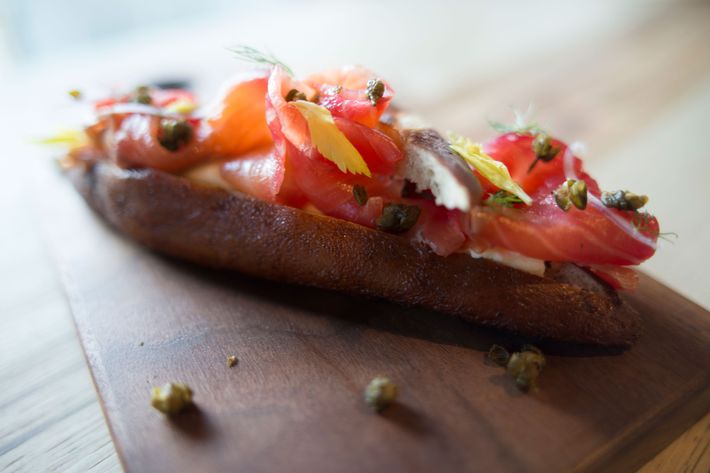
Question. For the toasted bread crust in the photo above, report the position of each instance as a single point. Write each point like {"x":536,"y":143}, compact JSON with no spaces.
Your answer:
{"x":213,"y":227}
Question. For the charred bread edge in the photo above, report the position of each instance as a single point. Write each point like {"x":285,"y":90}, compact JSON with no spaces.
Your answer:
{"x":222,"y":229}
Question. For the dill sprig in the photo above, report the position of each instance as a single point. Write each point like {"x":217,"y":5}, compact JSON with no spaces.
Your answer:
{"x":667,"y":236}
{"x":522,"y":126}
{"x":642,"y":222}
{"x":503,"y":198}
{"x":249,"y":54}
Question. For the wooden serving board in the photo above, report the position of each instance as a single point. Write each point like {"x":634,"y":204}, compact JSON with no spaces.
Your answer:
{"x":294,"y":401}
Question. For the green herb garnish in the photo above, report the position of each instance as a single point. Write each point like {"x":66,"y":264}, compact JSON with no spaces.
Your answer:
{"x":247,"y":53}
{"x":521,"y":125}
{"x":75,"y":94}
{"x":503,"y":199}
{"x":643,"y":223}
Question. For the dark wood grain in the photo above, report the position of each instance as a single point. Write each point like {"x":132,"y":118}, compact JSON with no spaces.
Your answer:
{"x":293,"y":403}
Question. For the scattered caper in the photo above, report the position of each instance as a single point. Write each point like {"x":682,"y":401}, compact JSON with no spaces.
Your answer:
{"x":533,"y":349}
{"x":498,"y":355}
{"x":571,"y":192}
{"x":524,"y":366}
{"x":360,"y":194}
{"x":174,"y":133}
{"x":561,"y":196}
{"x":142,"y":95}
{"x":375,"y":90}
{"x":171,"y":398}
{"x":398,"y":218}
{"x":295,"y":94}
{"x":503,"y":198}
{"x":544,"y":151}
{"x":380,"y":393}
{"x":578,"y":193}
{"x":624,"y":200}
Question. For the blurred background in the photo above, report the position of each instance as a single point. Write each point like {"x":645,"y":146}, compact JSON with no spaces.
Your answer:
{"x":629,"y":79}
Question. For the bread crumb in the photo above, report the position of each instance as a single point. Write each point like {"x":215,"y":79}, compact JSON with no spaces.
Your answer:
{"x":231,"y":360}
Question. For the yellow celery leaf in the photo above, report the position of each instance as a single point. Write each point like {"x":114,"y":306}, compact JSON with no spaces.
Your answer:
{"x":495,"y":171}
{"x":329,"y":140}
{"x":182,"y":106}
{"x":69,"y":138}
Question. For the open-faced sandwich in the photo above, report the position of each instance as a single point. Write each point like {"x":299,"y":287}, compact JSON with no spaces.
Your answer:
{"x":319,"y":181}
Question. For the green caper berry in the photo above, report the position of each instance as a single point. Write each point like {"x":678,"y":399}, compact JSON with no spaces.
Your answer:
{"x":375,"y":90}
{"x":635,"y":201}
{"x":295,"y":94}
{"x":527,"y":348}
{"x":531,"y":348}
{"x":562,"y":197}
{"x":142,"y":95}
{"x":624,"y":200}
{"x":360,"y":194}
{"x":171,"y":398}
{"x":380,"y":393}
{"x":499,"y":355}
{"x":578,"y":193}
{"x":174,"y":133}
{"x":525,"y":367}
{"x":398,"y":218}
{"x":542,"y":146}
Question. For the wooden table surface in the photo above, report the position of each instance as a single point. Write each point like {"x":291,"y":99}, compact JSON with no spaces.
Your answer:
{"x":631,"y":80}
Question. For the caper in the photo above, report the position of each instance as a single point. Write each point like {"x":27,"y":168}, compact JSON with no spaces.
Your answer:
{"x":142,"y":95}
{"x":635,"y":201}
{"x":498,"y":355}
{"x":171,"y":398}
{"x":562,"y":197}
{"x":544,"y":151}
{"x":525,"y":367}
{"x":375,"y":90}
{"x":295,"y":94}
{"x":578,"y":193}
{"x":360,"y":194}
{"x":624,"y":200}
{"x":380,"y":393}
{"x":533,"y":349}
{"x":571,"y":192}
{"x":174,"y":133}
{"x":398,"y":218}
